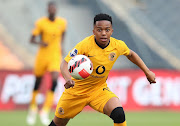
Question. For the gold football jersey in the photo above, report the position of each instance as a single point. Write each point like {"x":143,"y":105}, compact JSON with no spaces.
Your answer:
{"x":51,"y":33}
{"x":102,"y":59}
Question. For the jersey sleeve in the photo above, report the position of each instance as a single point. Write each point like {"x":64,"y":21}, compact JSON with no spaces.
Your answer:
{"x":124,"y":50}
{"x":37,"y":29}
{"x":64,"y":25}
{"x":79,"y":49}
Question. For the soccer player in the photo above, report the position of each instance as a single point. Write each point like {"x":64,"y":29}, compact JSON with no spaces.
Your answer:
{"x":51,"y":31}
{"x":103,"y":50}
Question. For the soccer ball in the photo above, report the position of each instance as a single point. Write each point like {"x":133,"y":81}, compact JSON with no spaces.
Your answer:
{"x":80,"y":67}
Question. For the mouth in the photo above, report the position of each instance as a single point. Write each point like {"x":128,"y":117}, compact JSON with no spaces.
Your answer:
{"x":103,"y":39}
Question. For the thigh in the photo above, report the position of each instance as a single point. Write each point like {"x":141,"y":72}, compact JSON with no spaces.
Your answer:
{"x":69,"y":105}
{"x":110,"y":105}
{"x":54,"y":65}
{"x":100,"y":98}
{"x":40,"y":66}
{"x":54,"y":75}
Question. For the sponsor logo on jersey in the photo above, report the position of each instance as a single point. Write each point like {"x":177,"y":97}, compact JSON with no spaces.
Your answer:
{"x":73,"y":52}
{"x":112,"y":56}
{"x":95,"y":76}
{"x":100,"y":69}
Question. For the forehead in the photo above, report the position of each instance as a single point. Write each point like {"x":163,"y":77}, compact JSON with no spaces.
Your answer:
{"x":52,"y":6}
{"x":103,"y":23}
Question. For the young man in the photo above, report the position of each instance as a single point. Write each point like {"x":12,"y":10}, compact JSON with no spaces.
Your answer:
{"x":51,"y":29}
{"x":103,"y":50}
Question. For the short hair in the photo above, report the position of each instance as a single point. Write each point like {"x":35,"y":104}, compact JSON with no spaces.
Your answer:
{"x":51,"y":3}
{"x":101,"y":16}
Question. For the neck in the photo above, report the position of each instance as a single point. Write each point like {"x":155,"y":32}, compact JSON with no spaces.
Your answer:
{"x":51,"y":17}
{"x":102,"y":46}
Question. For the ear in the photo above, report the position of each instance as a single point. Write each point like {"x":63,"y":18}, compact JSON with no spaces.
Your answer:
{"x":93,"y":32}
{"x":94,"y":29}
{"x":112,"y":32}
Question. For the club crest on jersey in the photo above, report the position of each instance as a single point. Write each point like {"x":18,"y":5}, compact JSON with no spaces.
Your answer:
{"x":112,"y":56}
{"x":73,"y":52}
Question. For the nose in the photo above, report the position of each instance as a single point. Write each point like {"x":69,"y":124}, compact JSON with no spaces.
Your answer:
{"x":103,"y":32}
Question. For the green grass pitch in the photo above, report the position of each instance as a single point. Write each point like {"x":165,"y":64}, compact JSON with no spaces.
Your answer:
{"x":148,"y":118}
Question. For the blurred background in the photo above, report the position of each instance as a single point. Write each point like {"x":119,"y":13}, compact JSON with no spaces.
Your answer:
{"x":149,"y":27}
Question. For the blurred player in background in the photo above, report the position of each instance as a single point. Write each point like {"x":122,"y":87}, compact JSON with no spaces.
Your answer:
{"x":51,"y":30}
{"x":103,"y":50}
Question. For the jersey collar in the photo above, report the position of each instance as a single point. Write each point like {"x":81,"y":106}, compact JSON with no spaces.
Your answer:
{"x":99,"y":45}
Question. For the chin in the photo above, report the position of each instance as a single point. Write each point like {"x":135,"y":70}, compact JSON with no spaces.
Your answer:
{"x":104,"y":42}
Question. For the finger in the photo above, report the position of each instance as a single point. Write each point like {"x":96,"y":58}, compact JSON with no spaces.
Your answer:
{"x":152,"y":81}
{"x":65,"y":86}
{"x":72,"y":85}
{"x":68,"y":85}
{"x":72,"y":82}
{"x":149,"y":80}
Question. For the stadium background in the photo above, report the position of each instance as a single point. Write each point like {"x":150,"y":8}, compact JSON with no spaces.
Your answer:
{"x":150,"y":28}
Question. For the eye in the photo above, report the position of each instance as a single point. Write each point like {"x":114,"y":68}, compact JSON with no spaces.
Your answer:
{"x":107,"y":30}
{"x":99,"y":30}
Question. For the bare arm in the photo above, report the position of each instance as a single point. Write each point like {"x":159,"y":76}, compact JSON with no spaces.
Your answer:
{"x":63,"y":35}
{"x":62,"y":43}
{"x":41,"y":43}
{"x":133,"y":57}
{"x":65,"y":73}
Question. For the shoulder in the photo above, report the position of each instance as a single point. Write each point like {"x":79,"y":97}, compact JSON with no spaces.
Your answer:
{"x":41,"y":20}
{"x":61,"y":19}
{"x":85,"y":44}
{"x":117,"y":42}
{"x":120,"y":46}
{"x":87,"y":41}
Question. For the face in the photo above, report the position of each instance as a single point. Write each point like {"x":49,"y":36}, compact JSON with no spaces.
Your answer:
{"x":52,"y":10}
{"x":103,"y":31}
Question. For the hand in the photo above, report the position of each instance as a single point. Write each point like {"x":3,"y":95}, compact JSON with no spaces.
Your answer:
{"x":151,"y":77}
{"x":43,"y":44}
{"x":69,"y":83}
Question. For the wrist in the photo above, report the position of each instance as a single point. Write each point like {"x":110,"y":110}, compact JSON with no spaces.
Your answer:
{"x":67,"y":78}
{"x":146,"y":72}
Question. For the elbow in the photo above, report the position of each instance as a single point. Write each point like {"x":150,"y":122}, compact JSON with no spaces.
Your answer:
{"x":31,"y":42}
{"x":32,"y":39}
{"x":131,"y":55}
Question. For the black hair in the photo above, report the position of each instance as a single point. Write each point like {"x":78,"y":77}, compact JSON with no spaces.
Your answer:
{"x":101,"y":16}
{"x":51,"y":3}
